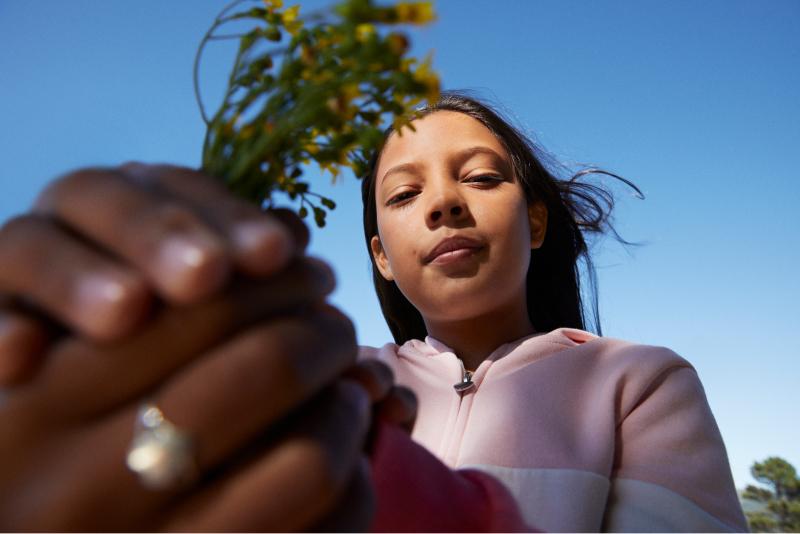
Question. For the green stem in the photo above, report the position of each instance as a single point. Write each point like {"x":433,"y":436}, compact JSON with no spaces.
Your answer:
{"x":218,"y":21}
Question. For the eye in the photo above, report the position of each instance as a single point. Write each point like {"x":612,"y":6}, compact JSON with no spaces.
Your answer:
{"x":401,"y":197}
{"x":485,"y":179}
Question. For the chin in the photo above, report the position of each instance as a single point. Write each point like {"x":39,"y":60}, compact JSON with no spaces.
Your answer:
{"x":464,"y":301}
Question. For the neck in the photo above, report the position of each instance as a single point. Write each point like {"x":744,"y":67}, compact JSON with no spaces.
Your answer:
{"x":475,"y":338}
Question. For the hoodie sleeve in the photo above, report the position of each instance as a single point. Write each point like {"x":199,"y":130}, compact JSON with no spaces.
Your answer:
{"x":671,"y":469}
{"x":416,"y":492}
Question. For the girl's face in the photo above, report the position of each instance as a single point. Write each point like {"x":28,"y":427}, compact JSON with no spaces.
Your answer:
{"x":454,"y":227}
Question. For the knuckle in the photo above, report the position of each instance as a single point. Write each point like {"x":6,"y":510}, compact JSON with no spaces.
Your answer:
{"x":239,"y":211}
{"x":21,"y":238}
{"x":293,"y":223}
{"x":320,"y":269}
{"x":137,"y":170}
{"x":172,"y":217}
{"x":187,"y":182}
{"x":281,"y":341}
{"x":313,"y":276}
{"x":381,"y":369}
{"x":75,"y":181}
{"x":382,"y":374}
{"x":349,"y":402}
{"x":337,"y":325}
{"x":286,"y":214}
{"x":166,"y":175}
{"x":147,"y":174}
{"x":20,"y":226}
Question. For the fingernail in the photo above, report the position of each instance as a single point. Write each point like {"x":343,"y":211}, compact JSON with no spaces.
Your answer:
{"x":96,"y":296}
{"x":190,"y":266}
{"x":264,"y":247}
{"x":181,"y":254}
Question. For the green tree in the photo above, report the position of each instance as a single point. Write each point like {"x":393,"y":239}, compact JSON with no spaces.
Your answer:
{"x":780,"y":496}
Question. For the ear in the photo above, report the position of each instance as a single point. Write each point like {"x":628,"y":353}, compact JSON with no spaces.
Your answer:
{"x":380,"y":258}
{"x":537,"y":217}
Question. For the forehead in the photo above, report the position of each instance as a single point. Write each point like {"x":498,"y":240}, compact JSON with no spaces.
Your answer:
{"x":437,"y":136}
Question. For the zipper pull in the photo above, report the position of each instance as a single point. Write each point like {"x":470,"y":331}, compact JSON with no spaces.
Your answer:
{"x":466,"y":383}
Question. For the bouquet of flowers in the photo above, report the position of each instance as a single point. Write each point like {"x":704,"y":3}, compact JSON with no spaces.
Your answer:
{"x":320,"y":88}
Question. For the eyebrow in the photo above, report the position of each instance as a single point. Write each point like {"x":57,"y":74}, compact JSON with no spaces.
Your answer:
{"x":458,"y":159}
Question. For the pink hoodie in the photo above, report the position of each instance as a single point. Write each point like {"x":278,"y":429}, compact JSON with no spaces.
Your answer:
{"x":564,"y":431}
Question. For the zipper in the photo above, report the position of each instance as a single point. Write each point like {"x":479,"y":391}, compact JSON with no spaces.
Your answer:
{"x":451,"y":439}
{"x":466,"y":383}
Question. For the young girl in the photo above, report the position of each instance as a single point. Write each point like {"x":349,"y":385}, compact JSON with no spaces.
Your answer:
{"x":525,"y":421}
{"x":475,"y":248}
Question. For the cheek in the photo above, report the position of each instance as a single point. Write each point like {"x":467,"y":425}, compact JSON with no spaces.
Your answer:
{"x":511,"y":243}
{"x":398,"y":245}
{"x":507,"y":223}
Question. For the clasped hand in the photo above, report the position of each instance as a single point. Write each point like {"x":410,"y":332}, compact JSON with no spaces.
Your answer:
{"x":152,"y":283}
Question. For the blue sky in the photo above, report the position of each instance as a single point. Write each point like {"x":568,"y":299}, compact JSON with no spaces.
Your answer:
{"x":696,"y":102}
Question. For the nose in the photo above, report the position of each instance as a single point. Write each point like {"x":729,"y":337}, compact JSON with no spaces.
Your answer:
{"x":446,"y":205}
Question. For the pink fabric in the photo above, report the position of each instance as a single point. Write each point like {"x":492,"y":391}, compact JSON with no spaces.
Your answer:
{"x":568,"y":402}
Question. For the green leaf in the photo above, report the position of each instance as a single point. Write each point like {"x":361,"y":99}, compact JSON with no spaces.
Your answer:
{"x":272,"y":33}
{"x":325,"y":88}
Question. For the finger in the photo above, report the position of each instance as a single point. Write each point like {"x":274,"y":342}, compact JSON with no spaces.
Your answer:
{"x":222,"y":402}
{"x":261,"y":244}
{"x":23,"y":340}
{"x":252,"y":381}
{"x":354,"y":512}
{"x":374,"y":376}
{"x":399,"y":407}
{"x":98,"y":378}
{"x":182,"y":256}
{"x":86,"y":290}
{"x":296,"y":481}
{"x":295,"y":224}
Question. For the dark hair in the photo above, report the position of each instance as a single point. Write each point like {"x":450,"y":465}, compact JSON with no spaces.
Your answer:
{"x":574,"y":209}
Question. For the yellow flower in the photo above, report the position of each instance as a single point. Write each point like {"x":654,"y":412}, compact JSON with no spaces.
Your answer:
{"x":407,"y":63}
{"x":332,"y":168}
{"x":415,"y":12}
{"x":291,"y":21}
{"x":350,"y":91}
{"x":398,"y":43}
{"x":364,"y":32}
{"x":425,"y":75}
{"x":290,"y":15}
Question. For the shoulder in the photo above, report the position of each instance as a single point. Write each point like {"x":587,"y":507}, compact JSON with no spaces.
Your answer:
{"x":625,"y":351}
{"x":631,"y":360}
{"x":628,"y":370}
{"x":670,"y":465}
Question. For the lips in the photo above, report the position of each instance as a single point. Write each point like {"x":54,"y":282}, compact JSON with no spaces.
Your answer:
{"x":451,"y":244}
